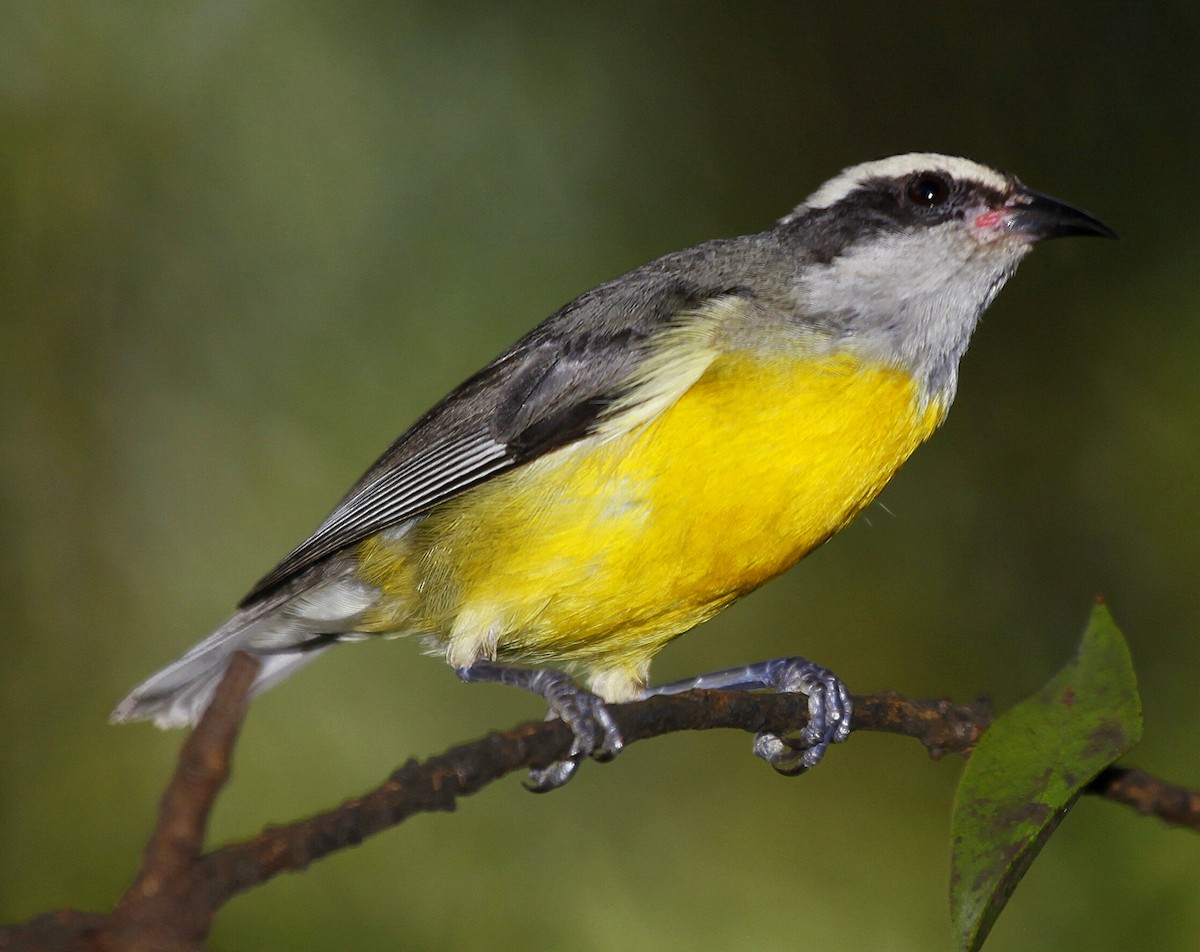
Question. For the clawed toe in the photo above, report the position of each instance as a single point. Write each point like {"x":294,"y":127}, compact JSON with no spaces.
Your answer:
{"x":596,"y":733}
{"x":552,"y":777}
{"x":830,"y":707}
{"x":789,"y":757}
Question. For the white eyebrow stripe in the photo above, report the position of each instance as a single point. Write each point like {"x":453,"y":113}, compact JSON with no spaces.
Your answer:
{"x":897,"y":166}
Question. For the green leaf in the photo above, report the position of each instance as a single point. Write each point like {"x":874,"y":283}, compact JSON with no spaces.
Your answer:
{"x":1028,"y":769}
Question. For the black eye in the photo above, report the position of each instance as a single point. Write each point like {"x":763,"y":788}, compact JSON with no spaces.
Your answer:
{"x":928,"y":189}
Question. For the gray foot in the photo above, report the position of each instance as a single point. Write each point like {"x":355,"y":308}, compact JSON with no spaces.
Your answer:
{"x":596,"y":734}
{"x":830,"y":708}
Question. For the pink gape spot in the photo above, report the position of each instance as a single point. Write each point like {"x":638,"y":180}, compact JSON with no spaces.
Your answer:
{"x":991,"y":218}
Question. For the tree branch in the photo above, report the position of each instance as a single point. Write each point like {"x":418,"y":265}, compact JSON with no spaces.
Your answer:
{"x":171,"y":904}
{"x":161,"y":905}
{"x":437,"y":783}
{"x":1149,"y":795}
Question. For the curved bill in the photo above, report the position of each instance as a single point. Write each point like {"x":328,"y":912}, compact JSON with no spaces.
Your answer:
{"x":1042,"y":217}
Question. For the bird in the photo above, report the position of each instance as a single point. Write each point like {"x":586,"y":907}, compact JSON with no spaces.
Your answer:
{"x":659,"y":447}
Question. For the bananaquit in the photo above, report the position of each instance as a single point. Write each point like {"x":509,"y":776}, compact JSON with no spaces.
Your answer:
{"x":659,"y":447}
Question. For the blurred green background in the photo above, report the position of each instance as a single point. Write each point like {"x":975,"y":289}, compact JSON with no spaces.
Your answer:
{"x":246,"y":243}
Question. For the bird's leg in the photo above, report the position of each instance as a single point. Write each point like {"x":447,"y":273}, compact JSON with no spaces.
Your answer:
{"x":830,"y":708}
{"x":596,"y":733}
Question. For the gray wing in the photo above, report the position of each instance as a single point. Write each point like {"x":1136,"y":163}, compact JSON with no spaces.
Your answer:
{"x":550,"y":389}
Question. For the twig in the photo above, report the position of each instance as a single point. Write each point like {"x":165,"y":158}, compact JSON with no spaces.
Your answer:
{"x":437,"y":783}
{"x":1149,"y":795}
{"x":160,"y":899}
{"x":170,"y":906}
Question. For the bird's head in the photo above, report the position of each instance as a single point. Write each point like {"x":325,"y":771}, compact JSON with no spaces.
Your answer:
{"x":905,"y":253}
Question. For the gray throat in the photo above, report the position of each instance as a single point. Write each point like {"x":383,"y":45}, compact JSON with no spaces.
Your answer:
{"x":907,"y":300}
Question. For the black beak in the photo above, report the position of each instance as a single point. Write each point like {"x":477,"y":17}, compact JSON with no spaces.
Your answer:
{"x":1042,"y":217}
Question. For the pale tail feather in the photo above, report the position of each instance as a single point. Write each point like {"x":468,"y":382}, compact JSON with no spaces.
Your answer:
{"x":283,"y":637}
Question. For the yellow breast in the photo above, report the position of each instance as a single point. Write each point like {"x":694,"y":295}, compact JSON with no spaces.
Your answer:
{"x":603,"y":551}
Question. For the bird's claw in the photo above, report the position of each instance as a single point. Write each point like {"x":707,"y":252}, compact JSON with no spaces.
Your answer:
{"x":830,"y":711}
{"x":596,"y":733}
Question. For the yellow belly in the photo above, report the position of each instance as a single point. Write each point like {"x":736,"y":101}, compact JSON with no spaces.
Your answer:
{"x":598,"y":554}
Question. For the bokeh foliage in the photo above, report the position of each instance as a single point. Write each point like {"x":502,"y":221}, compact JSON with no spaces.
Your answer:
{"x":243,"y":244}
